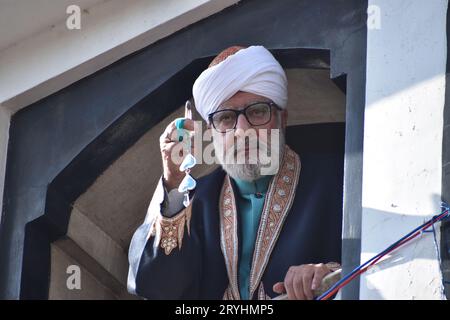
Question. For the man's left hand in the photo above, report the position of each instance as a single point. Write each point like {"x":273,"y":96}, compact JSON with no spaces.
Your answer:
{"x":301,"y":281}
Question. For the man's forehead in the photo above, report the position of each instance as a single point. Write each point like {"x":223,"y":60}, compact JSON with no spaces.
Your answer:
{"x":230,"y":105}
{"x":241,"y":100}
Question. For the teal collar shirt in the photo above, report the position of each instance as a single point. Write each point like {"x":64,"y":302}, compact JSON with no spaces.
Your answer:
{"x":250,"y":202}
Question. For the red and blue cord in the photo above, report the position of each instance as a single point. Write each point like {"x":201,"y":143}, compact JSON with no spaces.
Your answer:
{"x":369,"y":263}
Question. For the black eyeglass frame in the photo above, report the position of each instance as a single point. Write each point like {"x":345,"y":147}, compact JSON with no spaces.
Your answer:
{"x":242,"y":111}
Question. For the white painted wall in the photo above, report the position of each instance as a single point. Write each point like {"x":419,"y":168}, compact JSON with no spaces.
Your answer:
{"x":22,"y":19}
{"x":406,"y":60}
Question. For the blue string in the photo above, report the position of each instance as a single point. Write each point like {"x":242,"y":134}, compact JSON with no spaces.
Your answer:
{"x":445,"y":209}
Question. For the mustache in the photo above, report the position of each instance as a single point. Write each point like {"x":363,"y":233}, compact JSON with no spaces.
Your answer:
{"x":249,"y":149}
{"x":248,"y":145}
{"x":243,"y":152}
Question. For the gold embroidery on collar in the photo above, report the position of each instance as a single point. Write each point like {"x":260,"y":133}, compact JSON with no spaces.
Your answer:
{"x":279,"y":198}
{"x":229,"y":237}
{"x":262,"y":293}
{"x":228,"y":295}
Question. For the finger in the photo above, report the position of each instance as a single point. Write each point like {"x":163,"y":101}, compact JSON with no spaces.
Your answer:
{"x":167,"y":136}
{"x":188,"y":124}
{"x":167,"y":147}
{"x":289,"y":284}
{"x":307,"y":283}
{"x":174,"y":134}
{"x":162,"y":138}
{"x":187,"y":147}
{"x":298,"y":286}
{"x":279,"y":288}
{"x":317,"y":279}
{"x":174,"y":153}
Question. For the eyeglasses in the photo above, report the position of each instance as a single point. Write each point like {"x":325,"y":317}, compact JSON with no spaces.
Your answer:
{"x":257,"y":114}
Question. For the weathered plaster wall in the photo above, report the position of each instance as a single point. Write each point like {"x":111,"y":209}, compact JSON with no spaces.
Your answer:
{"x":406,"y":63}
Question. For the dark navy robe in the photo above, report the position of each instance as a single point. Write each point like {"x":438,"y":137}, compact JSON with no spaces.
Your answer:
{"x":311,"y":233}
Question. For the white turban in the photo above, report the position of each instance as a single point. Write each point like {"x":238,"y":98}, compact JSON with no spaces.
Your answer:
{"x":252,"y":70}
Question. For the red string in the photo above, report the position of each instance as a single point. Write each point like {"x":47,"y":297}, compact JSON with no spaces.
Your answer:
{"x":361,"y":271}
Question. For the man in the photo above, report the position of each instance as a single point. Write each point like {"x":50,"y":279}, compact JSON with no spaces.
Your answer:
{"x":246,"y":234}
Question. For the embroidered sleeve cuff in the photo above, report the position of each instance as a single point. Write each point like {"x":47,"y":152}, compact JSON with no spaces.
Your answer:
{"x":169,"y":230}
{"x":172,"y":230}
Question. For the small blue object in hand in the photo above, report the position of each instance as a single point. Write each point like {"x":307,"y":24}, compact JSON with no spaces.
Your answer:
{"x":179,"y":124}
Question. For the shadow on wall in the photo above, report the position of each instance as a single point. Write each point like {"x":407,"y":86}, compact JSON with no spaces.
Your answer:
{"x":422,"y":281}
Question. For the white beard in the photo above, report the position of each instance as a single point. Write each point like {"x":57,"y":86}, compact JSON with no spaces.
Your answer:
{"x":252,"y":167}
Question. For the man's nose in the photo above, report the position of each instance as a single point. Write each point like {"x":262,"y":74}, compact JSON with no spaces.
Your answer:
{"x":242,"y":122}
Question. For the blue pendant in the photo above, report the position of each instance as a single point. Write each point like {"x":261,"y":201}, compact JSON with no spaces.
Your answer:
{"x":188,"y":183}
{"x":188,"y":162}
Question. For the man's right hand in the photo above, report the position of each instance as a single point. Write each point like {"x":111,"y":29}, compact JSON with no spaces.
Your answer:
{"x":168,"y":140}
